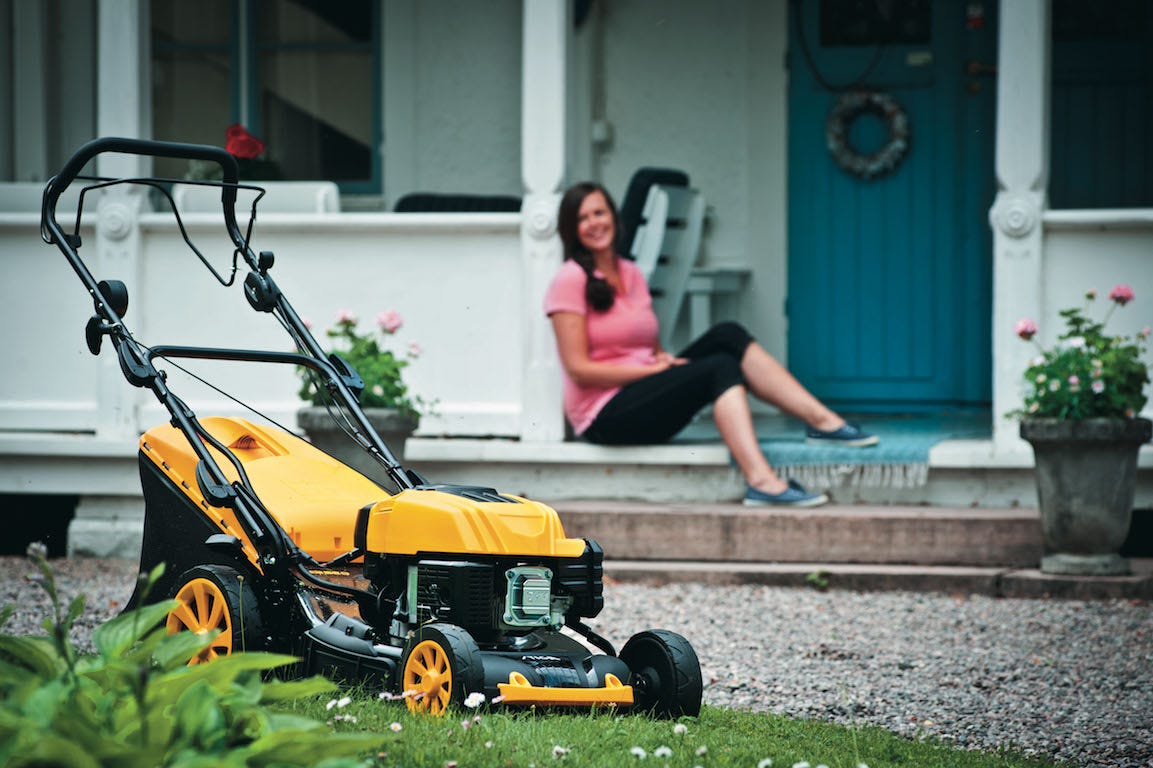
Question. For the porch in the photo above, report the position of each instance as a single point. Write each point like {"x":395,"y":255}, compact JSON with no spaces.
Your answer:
{"x":671,"y":512}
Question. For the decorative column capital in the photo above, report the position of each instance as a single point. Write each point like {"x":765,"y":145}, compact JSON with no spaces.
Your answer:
{"x":540,"y":219}
{"x":1016,"y":215}
{"x":117,"y":221}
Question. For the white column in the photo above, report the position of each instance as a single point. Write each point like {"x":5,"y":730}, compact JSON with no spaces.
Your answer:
{"x":399,"y":96}
{"x":546,"y":36}
{"x":1022,"y":168}
{"x":6,"y":70}
{"x":108,"y":525}
{"x":123,"y":80}
{"x":29,"y":82}
{"x":121,"y":110}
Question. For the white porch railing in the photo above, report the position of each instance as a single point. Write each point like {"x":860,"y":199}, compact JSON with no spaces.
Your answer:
{"x":456,"y":280}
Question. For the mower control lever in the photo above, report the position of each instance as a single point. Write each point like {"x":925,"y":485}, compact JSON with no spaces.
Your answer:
{"x":94,"y":332}
{"x":217,"y":494}
{"x":113,"y":294}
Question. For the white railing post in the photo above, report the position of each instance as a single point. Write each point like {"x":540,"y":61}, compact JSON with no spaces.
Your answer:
{"x":122,"y":99}
{"x":546,"y":37}
{"x":1022,"y":168}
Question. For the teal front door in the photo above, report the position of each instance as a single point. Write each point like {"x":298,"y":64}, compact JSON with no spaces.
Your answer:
{"x":890,"y":255}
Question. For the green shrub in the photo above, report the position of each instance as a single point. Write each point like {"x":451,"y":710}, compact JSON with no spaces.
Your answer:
{"x":137,"y":701}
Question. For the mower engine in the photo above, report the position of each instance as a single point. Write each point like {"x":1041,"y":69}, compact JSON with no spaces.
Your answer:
{"x":496,"y":565}
{"x":499,"y":568}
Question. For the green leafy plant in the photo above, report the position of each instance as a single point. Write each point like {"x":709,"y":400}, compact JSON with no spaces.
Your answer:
{"x":1087,"y":373}
{"x":380,"y":367}
{"x":818,"y":580}
{"x":137,"y":701}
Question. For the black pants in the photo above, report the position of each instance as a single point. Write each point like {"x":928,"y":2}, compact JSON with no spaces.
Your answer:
{"x":653,"y":409}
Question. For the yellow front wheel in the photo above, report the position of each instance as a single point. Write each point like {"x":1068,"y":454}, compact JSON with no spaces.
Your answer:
{"x":216,"y":598}
{"x":440,"y":667}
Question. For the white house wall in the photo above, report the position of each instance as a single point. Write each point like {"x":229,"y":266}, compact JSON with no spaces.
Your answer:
{"x":49,"y":380}
{"x":1086,"y":254}
{"x":702,"y":87}
{"x":696,"y":86}
{"x":451,"y":87}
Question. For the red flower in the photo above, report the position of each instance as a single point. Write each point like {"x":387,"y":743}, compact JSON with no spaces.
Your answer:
{"x":242,"y":144}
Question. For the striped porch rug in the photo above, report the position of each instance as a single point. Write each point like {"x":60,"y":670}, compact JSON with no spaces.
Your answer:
{"x":899,"y":460}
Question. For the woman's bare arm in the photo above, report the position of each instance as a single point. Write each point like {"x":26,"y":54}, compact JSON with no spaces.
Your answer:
{"x":573,"y":346}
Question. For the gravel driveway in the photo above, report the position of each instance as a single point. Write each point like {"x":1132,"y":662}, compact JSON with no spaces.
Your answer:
{"x":1068,"y":679}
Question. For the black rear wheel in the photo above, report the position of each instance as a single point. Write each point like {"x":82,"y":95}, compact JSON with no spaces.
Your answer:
{"x":217,"y":598}
{"x":665,"y":673}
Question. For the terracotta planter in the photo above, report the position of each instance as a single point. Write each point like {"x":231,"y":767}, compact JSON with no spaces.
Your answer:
{"x":393,"y":427}
{"x":1086,"y":478}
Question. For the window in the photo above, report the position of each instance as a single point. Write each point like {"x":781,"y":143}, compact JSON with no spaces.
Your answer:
{"x":872,"y":22}
{"x":302,"y":75}
{"x":1102,"y":105}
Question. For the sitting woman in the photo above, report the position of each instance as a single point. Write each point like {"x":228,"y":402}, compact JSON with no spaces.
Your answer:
{"x":621,"y":388}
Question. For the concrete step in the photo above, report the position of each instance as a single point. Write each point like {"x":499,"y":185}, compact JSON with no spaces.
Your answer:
{"x":833,"y":534}
{"x":964,"y":551}
{"x":957,"y":580}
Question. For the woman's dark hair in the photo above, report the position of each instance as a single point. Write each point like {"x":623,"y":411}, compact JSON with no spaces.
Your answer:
{"x":598,"y":292}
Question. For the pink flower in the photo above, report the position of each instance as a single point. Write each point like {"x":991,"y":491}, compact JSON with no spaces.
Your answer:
{"x":415,"y":350}
{"x":389,"y":321}
{"x":1091,"y":294}
{"x":1122,"y":294}
{"x":345,"y":316}
{"x":1025,"y":328}
{"x":1098,"y":386}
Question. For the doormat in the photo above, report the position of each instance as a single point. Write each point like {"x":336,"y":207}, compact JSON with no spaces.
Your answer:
{"x":899,"y":460}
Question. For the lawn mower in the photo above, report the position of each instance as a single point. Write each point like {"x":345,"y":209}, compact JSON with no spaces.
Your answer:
{"x":439,"y":593}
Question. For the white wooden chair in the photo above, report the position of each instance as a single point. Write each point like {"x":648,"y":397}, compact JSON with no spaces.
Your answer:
{"x":280,"y":197}
{"x":666,"y":246}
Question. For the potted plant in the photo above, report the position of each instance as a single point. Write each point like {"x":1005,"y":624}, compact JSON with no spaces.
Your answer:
{"x":393,"y":412}
{"x":1081,"y":405}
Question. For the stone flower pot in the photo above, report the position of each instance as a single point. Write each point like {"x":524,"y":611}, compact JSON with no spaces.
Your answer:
{"x":1086,"y":479}
{"x":393,"y":426}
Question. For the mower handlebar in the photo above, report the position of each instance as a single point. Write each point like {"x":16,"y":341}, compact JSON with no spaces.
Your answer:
{"x":76,"y":163}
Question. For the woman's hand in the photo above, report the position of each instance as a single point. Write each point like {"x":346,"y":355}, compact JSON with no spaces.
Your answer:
{"x":667,"y":360}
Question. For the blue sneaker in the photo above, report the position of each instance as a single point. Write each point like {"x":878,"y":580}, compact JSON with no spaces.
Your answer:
{"x":849,"y":435}
{"x":793,"y":496}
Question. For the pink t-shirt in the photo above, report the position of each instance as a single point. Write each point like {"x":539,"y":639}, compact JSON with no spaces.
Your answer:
{"x":627,"y":333}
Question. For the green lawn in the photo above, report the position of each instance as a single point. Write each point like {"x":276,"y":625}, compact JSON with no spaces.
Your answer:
{"x":719,"y":737}
{"x":137,"y":702}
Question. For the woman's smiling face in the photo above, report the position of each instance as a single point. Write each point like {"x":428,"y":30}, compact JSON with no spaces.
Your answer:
{"x":595,"y":226}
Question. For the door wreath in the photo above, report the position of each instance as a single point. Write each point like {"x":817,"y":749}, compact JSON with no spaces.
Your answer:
{"x":849,"y":107}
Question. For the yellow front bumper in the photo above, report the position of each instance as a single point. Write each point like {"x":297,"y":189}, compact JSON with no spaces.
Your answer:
{"x":518,"y":690}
